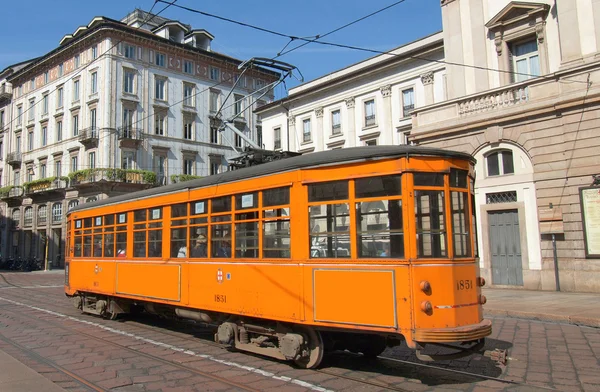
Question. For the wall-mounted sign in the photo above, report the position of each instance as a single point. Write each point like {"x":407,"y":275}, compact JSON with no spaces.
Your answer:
{"x":590,"y":212}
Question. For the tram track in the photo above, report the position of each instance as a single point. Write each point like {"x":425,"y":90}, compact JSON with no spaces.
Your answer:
{"x":168,"y":325}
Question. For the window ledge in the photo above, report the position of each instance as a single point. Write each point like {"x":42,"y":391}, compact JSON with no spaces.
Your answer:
{"x":369,"y":127}
{"x":336,"y":135}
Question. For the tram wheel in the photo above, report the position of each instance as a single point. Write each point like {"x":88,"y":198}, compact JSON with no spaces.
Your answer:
{"x":316,"y":347}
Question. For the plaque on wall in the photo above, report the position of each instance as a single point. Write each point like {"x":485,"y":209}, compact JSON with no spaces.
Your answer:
{"x":590,"y":212}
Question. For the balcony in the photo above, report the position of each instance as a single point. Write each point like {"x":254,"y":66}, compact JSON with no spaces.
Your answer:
{"x":13,"y":158}
{"x":499,"y":105}
{"x":129,"y":137}
{"x":5,"y":93}
{"x":11,"y":193}
{"x":46,"y":186}
{"x":107,"y":177}
{"x":89,"y":137}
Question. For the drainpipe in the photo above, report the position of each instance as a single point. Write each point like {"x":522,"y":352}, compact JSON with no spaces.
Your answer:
{"x":556,"y":278}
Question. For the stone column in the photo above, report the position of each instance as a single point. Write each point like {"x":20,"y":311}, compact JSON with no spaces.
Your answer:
{"x":288,"y":139}
{"x":351,"y":123}
{"x":427,"y":80}
{"x":570,"y":41}
{"x":385,"y":125}
{"x":319,"y":134}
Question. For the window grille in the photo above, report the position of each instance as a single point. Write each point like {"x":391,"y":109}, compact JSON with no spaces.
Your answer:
{"x":501,"y":197}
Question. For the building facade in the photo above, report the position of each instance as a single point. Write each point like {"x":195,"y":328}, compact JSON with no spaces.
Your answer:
{"x":119,"y":106}
{"x":515,"y":84}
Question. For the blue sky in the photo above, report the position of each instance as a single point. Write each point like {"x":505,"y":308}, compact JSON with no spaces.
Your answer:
{"x":403,"y":23}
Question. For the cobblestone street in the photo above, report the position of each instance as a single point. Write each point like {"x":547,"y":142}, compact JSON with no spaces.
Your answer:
{"x":40,"y":328}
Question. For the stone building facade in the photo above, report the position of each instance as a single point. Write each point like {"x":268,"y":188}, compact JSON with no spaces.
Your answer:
{"x":514,"y":83}
{"x":118,"y":106}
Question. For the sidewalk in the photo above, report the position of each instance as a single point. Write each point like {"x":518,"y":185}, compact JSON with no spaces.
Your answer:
{"x":17,"y":377}
{"x":570,"y":308}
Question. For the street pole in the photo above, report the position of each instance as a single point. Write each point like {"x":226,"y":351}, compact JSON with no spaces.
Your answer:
{"x":46,"y":254}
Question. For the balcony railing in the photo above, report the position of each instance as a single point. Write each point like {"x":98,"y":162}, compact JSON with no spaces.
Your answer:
{"x":46,"y":185}
{"x":129,"y":133}
{"x":13,"y":158}
{"x":5,"y":92}
{"x":510,"y":96}
{"x":94,"y":176}
{"x":88,"y":135}
{"x":11,"y":192}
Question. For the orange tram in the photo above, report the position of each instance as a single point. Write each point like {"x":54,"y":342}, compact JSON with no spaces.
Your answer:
{"x":354,"y":249}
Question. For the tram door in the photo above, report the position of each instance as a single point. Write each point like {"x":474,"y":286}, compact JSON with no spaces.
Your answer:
{"x":505,"y":248}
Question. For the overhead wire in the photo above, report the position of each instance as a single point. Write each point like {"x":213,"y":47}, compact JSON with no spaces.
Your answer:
{"x":374,"y":51}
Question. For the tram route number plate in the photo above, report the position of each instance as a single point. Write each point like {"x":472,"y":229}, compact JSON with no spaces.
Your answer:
{"x":464,"y":284}
{"x":221,"y":298}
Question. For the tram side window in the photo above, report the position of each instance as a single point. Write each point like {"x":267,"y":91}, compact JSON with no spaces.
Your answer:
{"x":220,"y":230}
{"x":109,"y":236}
{"x":379,"y":228}
{"x":77,"y":239}
{"x":87,"y":237}
{"x":329,"y":223}
{"x":246,"y":225}
{"x":147,"y":232}
{"x":179,"y":230}
{"x":430,"y":223}
{"x":276,"y":223}
{"x":460,"y":224}
{"x":121,"y":236}
{"x":198,"y":231}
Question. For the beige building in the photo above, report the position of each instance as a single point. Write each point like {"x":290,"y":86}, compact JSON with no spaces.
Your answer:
{"x":518,"y":87}
{"x":118,"y":106}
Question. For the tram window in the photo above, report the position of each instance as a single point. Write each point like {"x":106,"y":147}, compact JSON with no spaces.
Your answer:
{"x":109,"y":245}
{"x":330,"y":231}
{"x":379,"y":229}
{"x":179,"y":242}
{"x":77,"y":246}
{"x":139,"y":216}
{"x":155,"y":243}
{"x":246,"y":200}
{"x":87,"y":222}
{"x":276,"y":197}
{"x":121,"y":244}
{"x":98,"y":221}
{"x":199,"y":241}
{"x":109,"y":219}
{"x":78,"y":224}
{"x":458,"y":178}
{"x":178,"y":210}
{"x":246,"y":239}
{"x":87,"y":246}
{"x":431,"y":225}
{"x":139,"y":244}
{"x":428,"y":179}
{"x":221,"y":240}
{"x":97,"y":250}
{"x":155,"y":213}
{"x":460,"y":224}
{"x":276,"y":238}
{"x":326,"y":191}
{"x":122,"y":218}
{"x":378,"y":186}
{"x":221,"y":204}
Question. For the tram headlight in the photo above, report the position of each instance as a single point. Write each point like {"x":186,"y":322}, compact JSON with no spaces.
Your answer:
{"x":426,"y":307}
{"x":425,"y":287}
{"x":481,"y":281}
{"x":482,"y":299}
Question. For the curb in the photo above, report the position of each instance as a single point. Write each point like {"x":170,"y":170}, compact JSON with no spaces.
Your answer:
{"x":573,"y":320}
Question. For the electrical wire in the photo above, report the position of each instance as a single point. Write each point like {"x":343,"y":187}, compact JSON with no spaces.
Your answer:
{"x":352,"y":47}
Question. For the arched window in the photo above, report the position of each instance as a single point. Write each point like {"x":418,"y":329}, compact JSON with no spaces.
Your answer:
{"x":28,"y":221}
{"x":42,"y":214}
{"x":16,"y":217}
{"x":91,"y":199}
{"x":57,"y":213}
{"x":73,"y":204}
{"x":500,"y":163}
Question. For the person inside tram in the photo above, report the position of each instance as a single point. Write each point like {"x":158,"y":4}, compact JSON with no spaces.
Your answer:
{"x":199,"y":249}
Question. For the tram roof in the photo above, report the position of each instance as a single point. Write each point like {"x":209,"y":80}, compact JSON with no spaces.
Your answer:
{"x":322,"y":158}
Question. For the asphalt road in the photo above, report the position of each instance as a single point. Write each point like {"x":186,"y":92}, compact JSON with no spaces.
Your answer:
{"x":40,"y":328}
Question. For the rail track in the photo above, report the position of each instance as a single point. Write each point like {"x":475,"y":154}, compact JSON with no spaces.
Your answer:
{"x":204,"y":335}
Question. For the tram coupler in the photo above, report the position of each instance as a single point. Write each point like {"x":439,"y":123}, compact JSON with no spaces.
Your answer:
{"x":497,"y":355}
